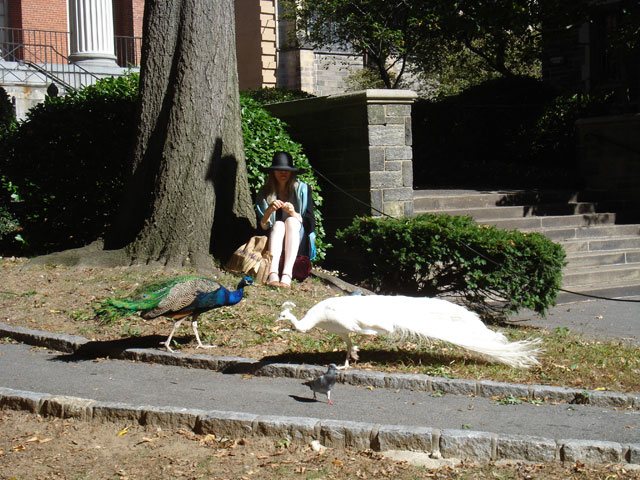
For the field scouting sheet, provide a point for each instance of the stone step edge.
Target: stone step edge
(438, 443)
(239, 365)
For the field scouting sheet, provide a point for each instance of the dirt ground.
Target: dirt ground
(32, 448)
(58, 299)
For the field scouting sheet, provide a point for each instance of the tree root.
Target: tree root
(94, 255)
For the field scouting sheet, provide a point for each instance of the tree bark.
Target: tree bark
(188, 165)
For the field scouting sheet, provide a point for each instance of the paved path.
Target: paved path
(609, 319)
(25, 368)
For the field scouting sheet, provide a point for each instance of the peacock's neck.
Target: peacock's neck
(235, 296)
(302, 325)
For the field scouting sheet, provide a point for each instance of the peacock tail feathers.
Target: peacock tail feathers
(171, 293)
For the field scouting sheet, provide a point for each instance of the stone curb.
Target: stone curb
(418, 382)
(458, 444)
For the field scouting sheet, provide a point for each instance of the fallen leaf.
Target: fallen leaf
(39, 440)
(124, 431)
(145, 440)
(337, 463)
(369, 387)
(18, 448)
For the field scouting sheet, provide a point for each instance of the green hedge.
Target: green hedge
(492, 271)
(66, 162)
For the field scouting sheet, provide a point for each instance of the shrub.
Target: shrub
(9, 225)
(63, 167)
(274, 95)
(66, 162)
(490, 270)
(263, 136)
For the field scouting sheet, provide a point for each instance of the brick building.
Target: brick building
(59, 41)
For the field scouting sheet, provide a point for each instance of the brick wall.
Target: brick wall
(39, 14)
(127, 17)
(332, 70)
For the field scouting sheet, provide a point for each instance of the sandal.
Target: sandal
(283, 283)
(272, 280)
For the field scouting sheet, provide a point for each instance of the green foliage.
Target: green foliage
(491, 270)
(63, 168)
(263, 136)
(365, 78)
(386, 32)
(7, 115)
(66, 162)
(9, 225)
(275, 95)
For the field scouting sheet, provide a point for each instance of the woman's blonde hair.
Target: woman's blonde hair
(270, 186)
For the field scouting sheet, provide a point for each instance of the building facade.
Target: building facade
(74, 42)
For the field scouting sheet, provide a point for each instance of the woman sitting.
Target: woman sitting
(285, 208)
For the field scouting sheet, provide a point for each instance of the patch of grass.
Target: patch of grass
(249, 329)
(509, 400)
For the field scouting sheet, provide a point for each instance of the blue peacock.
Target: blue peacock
(176, 298)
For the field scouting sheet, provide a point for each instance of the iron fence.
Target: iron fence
(28, 45)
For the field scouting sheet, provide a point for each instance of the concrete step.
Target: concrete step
(432, 200)
(562, 234)
(600, 275)
(552, 221)
(603, 258)
(594, 259)
(518, 211)
(601, 244)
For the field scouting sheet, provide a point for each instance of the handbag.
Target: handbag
(252, 259)
(301, 267)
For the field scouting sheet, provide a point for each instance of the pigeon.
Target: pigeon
(324, 383)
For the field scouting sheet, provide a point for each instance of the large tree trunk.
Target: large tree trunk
(188, 165)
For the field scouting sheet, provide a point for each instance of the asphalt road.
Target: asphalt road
(39, 370)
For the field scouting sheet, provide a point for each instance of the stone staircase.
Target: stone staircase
(603, 254)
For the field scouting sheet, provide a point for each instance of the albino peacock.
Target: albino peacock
(428, 318)
(175, 298)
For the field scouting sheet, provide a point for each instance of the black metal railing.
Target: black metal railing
(44, 63)
(16, 44)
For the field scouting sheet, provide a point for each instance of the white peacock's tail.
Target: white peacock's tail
(464, 329)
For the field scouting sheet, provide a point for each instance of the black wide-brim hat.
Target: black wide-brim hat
(282, 161)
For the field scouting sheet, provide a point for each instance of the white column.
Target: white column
(91, 25)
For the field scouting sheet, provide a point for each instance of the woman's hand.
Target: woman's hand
(288, 207)
(275, 205)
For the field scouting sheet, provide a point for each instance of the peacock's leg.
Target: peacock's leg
(167, 342)
(194, 325)
(352, 351)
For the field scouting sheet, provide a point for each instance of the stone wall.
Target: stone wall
(360, 145)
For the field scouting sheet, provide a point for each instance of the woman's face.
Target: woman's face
(282, 176)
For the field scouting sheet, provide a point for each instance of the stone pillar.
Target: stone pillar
(390, 151)
(92, 40)
(361, 146)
